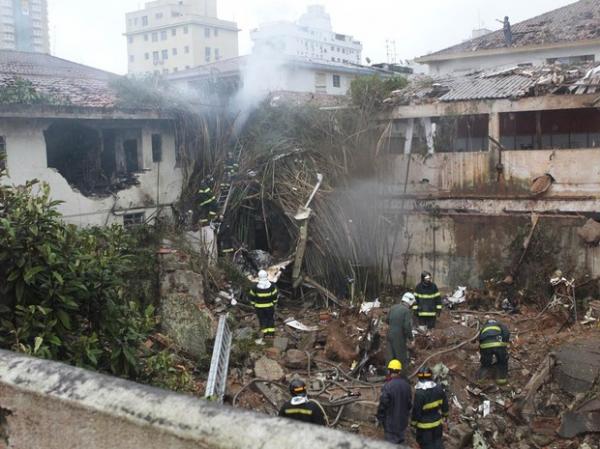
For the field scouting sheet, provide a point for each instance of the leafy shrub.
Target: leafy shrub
(369, 92)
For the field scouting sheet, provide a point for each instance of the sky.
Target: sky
(91, 31)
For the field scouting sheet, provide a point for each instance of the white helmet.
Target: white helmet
(262, 275)
(408, 299)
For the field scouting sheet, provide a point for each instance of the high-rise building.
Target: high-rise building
(311, 37)
(24, 25)
(172, 35)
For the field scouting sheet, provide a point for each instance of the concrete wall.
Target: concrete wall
(509, 59)
(298, 79)
(53, 406)
(26, 160)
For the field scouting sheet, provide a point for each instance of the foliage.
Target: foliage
(22, 91)
(368, 92)
(66, 293)
(166, 370)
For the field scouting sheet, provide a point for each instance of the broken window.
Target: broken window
(94, 161)
(465, 133)
(570, 60)
(135, 219)
(156, 148)
(2, 153)
(558, 129)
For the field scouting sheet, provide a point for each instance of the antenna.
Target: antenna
(392, 55)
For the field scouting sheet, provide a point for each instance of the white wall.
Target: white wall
(26, 160)
(305, 80)
(537, 57)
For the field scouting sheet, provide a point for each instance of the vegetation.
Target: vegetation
(21, 91)
(80, 296)
(368, 92)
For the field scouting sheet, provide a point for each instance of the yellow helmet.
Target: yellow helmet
(395, 365)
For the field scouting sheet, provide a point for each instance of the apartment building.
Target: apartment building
(172, 35)
(310, 37)
(24, 25)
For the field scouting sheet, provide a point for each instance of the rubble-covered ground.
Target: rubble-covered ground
(326, 358)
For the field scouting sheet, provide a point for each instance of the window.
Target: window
(135, 21)
(176, 69)
(145, 21)
(2, 153)
(155, 56)
(156, 148)
(174, 52)
(207, 53)
(159, 15)
(174, 32)
(130, 39)
(146, 37)
(336, 81)
(187, 67)
(569, 60)
(217, 54)
(186, 49)
(216, 32)
(154, 37)
(165, 71)
(165, 54)
(147, 56)
(206, 32)
(131, 58)
(185, 29)
(163, 35)
(137, 219)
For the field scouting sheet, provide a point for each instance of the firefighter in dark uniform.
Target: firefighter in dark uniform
(429, 410)
(393, 411)
(231, 167)
(226, 239)
(493, 348)
(207, 202)
(429, 301)
(263, 297)
(301, 408)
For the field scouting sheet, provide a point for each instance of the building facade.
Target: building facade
(311, 37)
(24, 26)
(568, 35)
(172, 35)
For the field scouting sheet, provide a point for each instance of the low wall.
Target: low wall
(49, 405)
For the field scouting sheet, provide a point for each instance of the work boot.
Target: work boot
(259, 342)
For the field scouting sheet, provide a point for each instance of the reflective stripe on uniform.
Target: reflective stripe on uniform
(265, 305)
(491, 328)
(439, 307)
(207, 190)
(422, 296)
(266, 295)
(294, 411)
(493, 344)
(501, 381)
(228, 250)
(208, 201)
(429, 425)
(426, 314)
(268, 330)
(432, 405)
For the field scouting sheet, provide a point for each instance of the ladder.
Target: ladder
(219, 365)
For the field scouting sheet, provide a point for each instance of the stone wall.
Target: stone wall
(49, 405)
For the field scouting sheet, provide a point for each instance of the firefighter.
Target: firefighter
(493, 348)
(263, 297)
(207, 203)
(429, 301)
(394, 405)
(301, 408)
(429, 410)
(400, 330)
(226, 241)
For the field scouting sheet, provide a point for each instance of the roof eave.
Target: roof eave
(79, 112)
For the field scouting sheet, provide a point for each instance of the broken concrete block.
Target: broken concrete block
(182, 281)
(586, 419)
(590, 232)
(268, 369)
(462, 434)
(578, 364)
(244, 333)
(296, 359)
(272, 353)
(364, 411)
(185, 321)
(281, 343)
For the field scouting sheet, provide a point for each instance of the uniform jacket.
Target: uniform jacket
(303, 409)
(394, 405)
(429, 300)
(264, 295)
(431, 406)
(494, 335)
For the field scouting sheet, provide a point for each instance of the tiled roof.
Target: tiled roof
(575, 22)
(65, 82)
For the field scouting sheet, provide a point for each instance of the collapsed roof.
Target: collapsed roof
(576, 22)
(513, 83)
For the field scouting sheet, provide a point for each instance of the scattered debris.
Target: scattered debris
(291, 322)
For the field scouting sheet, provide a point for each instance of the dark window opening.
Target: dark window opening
(156, 148)
(570, 60)
(2, 153)
(467, 133)
(94, 161)
(550, 130)
(336, 81)
(135, 219)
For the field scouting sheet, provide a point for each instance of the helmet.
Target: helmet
(395, 365)
(408, 299)
(425, 373)
(297, 387)
(426, 276)
(262, 275)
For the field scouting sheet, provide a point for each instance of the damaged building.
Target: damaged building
(484, 165)
(63, 123)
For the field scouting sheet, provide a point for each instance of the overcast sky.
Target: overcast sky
(91, 31)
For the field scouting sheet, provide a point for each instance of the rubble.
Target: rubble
(267, 369)
(590, 232)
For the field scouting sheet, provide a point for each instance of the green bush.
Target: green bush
(368, 92)
(69, 294)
